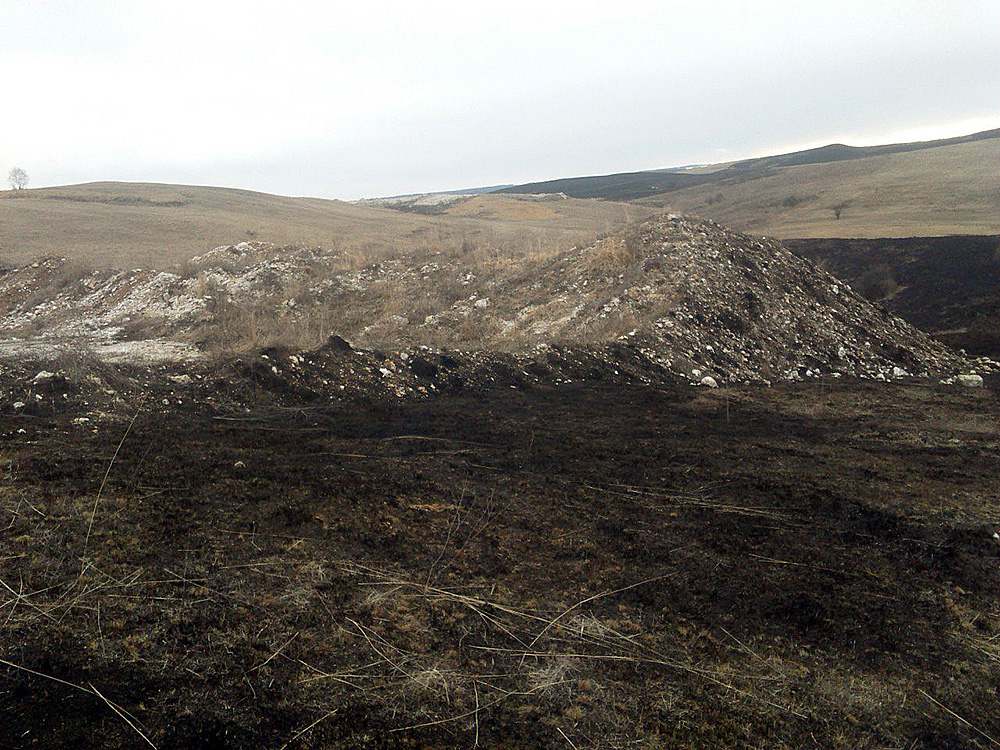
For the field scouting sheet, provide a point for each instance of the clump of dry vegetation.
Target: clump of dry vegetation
(877, 283)
(611, 255)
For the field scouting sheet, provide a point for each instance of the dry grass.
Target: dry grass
(124, 225)
(611, 255)
(939, 191)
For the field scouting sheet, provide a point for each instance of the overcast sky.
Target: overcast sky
(379, 98)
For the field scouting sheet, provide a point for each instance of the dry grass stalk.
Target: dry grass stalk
(104, 481)
(963, 721)
(90, 689)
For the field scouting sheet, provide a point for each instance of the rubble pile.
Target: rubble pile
(707, 302)
(673, 297)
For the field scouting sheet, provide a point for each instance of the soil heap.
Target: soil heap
(688, 298)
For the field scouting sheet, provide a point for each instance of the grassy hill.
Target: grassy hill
(841, 152)
(110, 224)
(624, 186)
(942, 187)
(939, 191)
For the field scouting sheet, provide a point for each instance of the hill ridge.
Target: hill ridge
(644, 183)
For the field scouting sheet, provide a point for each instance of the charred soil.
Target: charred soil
(947, 286)
(228, 563)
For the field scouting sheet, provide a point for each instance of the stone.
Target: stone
(709, 381)
(970, 381)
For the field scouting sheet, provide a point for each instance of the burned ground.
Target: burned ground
(227, 563)
(946, 286)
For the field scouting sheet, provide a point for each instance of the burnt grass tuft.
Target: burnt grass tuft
(586, 566)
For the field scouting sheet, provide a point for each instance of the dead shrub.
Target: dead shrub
(80, 364)
(610, 255)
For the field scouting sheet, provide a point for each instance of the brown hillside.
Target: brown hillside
(122, 225)
(938, 191)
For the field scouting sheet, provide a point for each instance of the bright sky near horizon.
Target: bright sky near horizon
(366, 99)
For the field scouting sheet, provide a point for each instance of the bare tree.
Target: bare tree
(17, 179)
(839, 208)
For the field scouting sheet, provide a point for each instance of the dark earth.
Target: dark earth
(946, 286)
(590, 565)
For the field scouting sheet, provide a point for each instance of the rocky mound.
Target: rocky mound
(672, 296)
(705, 301)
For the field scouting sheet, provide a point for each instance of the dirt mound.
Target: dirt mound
(688, 298)
(704, 300)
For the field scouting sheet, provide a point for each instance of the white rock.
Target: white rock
(899, 372)
(709, 381)
(180, 379)
(18, 404)
(482, 304)
(43, 377)
(841, 353)
(970, 381)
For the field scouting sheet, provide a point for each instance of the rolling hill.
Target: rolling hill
(842, 152)
(942, 187)
(934, 192)
(113, 224)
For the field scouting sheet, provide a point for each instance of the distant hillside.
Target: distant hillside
(842, 152)
(112, 224)
(937, 187)
(626, 186)
(931, 192)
